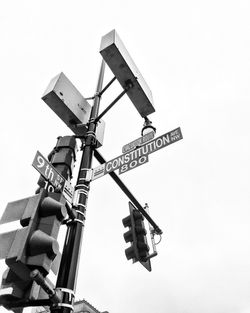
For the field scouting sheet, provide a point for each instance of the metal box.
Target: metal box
(72, 108)
(123, 67)
(67, 102)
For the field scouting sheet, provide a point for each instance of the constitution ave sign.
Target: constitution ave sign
(137, 157)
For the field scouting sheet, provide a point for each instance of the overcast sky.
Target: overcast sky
(195, 56)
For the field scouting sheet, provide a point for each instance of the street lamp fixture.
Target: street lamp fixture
(126, 72)
(147, 127)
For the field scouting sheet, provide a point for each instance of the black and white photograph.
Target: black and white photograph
(125, 156)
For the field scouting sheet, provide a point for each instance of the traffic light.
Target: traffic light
(136, 235)
(32, 247)
(62, 157)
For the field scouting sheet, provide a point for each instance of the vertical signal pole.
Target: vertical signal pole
(67, 276)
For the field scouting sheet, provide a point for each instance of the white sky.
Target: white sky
(194, 55)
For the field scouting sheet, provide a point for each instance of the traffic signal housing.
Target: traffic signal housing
(62, 157)
(136, 235)
(34, 246)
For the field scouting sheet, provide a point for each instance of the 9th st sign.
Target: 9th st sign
(52, 176)
(137, 157)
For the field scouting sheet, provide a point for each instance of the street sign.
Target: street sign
(138, 142)
(139, 156)
(133, 164)
(52, 176)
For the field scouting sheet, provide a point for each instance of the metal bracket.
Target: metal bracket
(87, 172)
(79, 218)
(67, 298)
(91, 138)
(113, 102)
(106, 87)
(152, 234)
(41, 281)
(82, 189)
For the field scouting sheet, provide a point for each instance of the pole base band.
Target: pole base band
(67, 298)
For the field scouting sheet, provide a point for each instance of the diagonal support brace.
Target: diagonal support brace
(129, 85)
(120, 183)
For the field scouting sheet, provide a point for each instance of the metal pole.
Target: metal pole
(67, 276)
